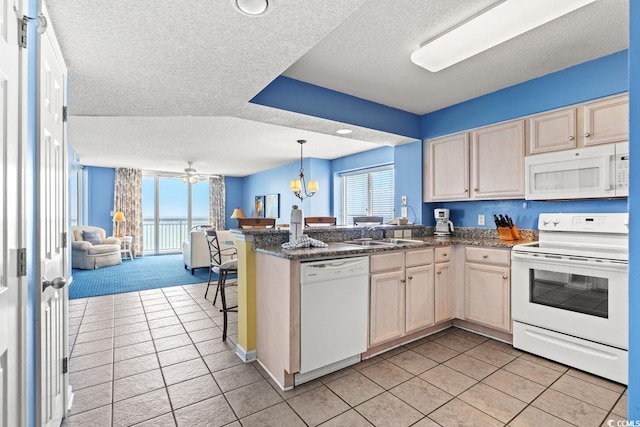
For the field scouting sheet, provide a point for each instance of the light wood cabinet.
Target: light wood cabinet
(485, 164)
(386, 320)
(599, 122)
(487, 287)
(401, 294)
(419, 298)
(444, 293)
(497, 161)
(552, 131)
(606, 121)
(449, 167)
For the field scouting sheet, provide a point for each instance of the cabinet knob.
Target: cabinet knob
(571, 138)
(485, 256)
(505, 277)
(466, 190)
(587, 135)
(439, 272)
(444, 254)
(402, 280)
(410, 277)
(475, 189)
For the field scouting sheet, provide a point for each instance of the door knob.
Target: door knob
(56, 283)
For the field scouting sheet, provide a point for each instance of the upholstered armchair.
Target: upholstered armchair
(90, 248)
(195, 250)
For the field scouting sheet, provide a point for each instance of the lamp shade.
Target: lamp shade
(238, 213)
(119, 216)
(312, 186)
(295, 185)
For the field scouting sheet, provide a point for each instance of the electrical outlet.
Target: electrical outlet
(480, 219)
(403, 212)
(406, 233)
(404, 201)
(397, 234)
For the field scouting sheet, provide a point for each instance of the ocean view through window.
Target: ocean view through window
(170, 208)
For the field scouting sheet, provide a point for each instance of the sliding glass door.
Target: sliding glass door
(170, 208)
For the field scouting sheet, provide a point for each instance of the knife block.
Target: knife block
(504, 233)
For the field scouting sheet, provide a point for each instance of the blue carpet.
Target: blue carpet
(147, 272)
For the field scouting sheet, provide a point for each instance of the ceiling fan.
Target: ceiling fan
(191, 175)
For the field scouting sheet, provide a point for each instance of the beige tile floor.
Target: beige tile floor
(156, 358)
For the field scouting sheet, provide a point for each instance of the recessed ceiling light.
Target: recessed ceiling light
(253, 7)
(344, 131)
(501, 22)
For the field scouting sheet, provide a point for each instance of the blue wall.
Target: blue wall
(277, 181)
(293, 95)
(600, 77)
(594, 79)
(408, 180)
(100, 182)
(233, 198)
(634, 209)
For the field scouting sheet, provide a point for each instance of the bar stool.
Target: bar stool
(223, 270)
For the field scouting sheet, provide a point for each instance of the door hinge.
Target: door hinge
(64, 113)
(23, 28)
(65, 365)
(64, 239)
(22, 262)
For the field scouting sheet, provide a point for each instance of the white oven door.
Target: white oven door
(582, 297)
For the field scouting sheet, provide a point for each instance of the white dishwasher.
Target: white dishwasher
(334, 311)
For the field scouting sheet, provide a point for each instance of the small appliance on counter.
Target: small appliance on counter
(444, 227)
(295, 226)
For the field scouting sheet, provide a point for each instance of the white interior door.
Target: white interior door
(10, 143)
(51, 168)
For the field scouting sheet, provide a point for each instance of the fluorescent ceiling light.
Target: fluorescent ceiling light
(496, 25)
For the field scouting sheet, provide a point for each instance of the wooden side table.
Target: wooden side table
(125, 246)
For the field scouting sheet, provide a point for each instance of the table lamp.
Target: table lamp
(117, 219)
(237, 214)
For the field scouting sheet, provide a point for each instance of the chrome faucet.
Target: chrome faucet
(371, 228)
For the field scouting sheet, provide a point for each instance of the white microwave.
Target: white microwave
(592, 172)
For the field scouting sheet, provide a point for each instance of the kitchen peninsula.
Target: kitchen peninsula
(418, 285)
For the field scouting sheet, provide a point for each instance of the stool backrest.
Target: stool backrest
(319, 221)
(256, 222)
(377, 220)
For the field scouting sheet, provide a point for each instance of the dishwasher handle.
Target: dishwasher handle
(335, 264)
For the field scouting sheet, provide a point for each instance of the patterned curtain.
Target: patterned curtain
(217, 197)
(127, 198)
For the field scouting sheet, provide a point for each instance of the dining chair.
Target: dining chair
(369, 220)
(311, 221)
(223, 268)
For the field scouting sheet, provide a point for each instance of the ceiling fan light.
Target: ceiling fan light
(494, 26)
(184, 179)
(193, 179)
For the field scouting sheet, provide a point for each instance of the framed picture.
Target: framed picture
(272, 206)
(259, 207)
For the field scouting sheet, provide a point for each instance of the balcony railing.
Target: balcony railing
(171, 233)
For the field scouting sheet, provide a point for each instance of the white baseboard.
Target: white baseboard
(244, 355)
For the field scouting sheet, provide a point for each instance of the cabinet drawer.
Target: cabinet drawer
(419, 257)
(443, 254)
(385, 262)
(486, 255)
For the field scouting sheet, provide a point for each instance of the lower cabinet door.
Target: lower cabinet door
(386, 314)
(487, 295)
(419, 298)
(444, 293)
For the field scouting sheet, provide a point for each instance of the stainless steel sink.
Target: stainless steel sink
(401, 241)
(368, 243)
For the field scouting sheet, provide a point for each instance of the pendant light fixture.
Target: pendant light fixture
(298, 186)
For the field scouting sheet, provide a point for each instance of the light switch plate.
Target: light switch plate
(404, 200)
(480, 219)
(406, 233)
(403, 212)
(397, 234)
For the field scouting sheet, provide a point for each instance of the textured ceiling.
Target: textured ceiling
(156, 83)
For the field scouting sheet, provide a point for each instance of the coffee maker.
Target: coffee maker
(444, 227)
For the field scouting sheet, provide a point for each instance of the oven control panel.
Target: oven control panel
(579, 222)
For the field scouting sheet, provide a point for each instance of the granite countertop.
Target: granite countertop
(340, 249)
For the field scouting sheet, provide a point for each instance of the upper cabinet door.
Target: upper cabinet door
(448, 168)
(606, 121)
(497, 161)
(552, 131)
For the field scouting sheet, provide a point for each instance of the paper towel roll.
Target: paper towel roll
(295, 225)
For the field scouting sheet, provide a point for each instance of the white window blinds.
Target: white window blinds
(368, 192)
